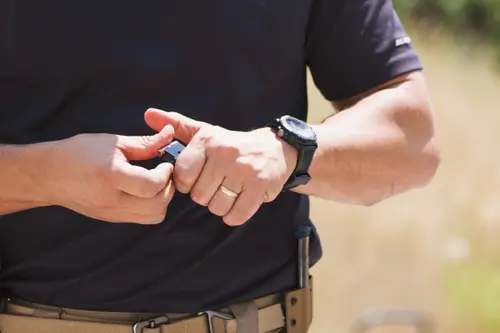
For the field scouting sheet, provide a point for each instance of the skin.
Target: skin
(383, 143)
(90, 174)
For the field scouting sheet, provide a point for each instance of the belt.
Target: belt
(290, 312)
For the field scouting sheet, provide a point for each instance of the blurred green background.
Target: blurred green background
(435, 249)
(473, 19)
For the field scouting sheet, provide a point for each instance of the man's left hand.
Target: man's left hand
(230, 172)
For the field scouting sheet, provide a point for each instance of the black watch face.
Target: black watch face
(298, 127)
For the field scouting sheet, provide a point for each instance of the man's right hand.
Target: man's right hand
(91, 174)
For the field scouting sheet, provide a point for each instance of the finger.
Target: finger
(141, 182)
(208, 182)
(145, 147)
(189, 166)
(158, 207)
(147, 211)
(221, 202)
(246, 205)
(185, 128)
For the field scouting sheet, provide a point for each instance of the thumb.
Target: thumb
(145, 147)
(184, 127)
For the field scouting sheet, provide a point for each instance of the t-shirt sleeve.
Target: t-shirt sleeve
(355, 45)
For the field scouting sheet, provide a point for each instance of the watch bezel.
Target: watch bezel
(286, 123)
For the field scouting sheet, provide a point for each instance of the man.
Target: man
(90, 220)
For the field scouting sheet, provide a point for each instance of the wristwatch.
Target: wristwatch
(302, 137)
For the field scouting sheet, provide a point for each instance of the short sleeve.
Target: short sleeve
(355, 45)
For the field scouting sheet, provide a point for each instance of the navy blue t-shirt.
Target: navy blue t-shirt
(69, 67)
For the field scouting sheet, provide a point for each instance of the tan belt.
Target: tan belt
(257, 316)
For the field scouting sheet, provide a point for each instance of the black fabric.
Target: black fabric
(69, 67)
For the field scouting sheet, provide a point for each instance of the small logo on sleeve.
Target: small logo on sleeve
(403, 41)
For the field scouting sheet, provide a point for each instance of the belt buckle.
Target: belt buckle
(149, 323)
(211, 314)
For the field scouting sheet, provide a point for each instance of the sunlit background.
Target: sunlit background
(436, 249)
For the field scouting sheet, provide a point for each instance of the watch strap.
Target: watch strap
(305, 154)
(300, 175)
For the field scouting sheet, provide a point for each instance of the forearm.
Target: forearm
(21, 173)
(381, 146)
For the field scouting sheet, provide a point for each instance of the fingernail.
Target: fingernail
(169, 127)
(167, 130)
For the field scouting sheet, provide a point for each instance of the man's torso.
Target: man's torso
(95, 66)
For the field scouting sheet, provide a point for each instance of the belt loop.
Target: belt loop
(299, 309)
(247, 317)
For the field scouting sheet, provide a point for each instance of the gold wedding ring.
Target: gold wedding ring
(228, 192)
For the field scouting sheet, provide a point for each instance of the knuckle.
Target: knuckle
(217, 210)
(263, 177)
(245, 166)
(182, 183)
(199, 197)
(159, 183)
(146, 140)
(230, 149)
(184, 174)
(250, 162)
(212, 138)
(205, 134)
(151, 188)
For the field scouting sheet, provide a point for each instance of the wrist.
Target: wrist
(27, 173)
(301, 136)
(289, 152)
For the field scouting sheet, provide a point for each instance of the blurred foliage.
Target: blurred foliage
(477, 18)
(473, 291)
